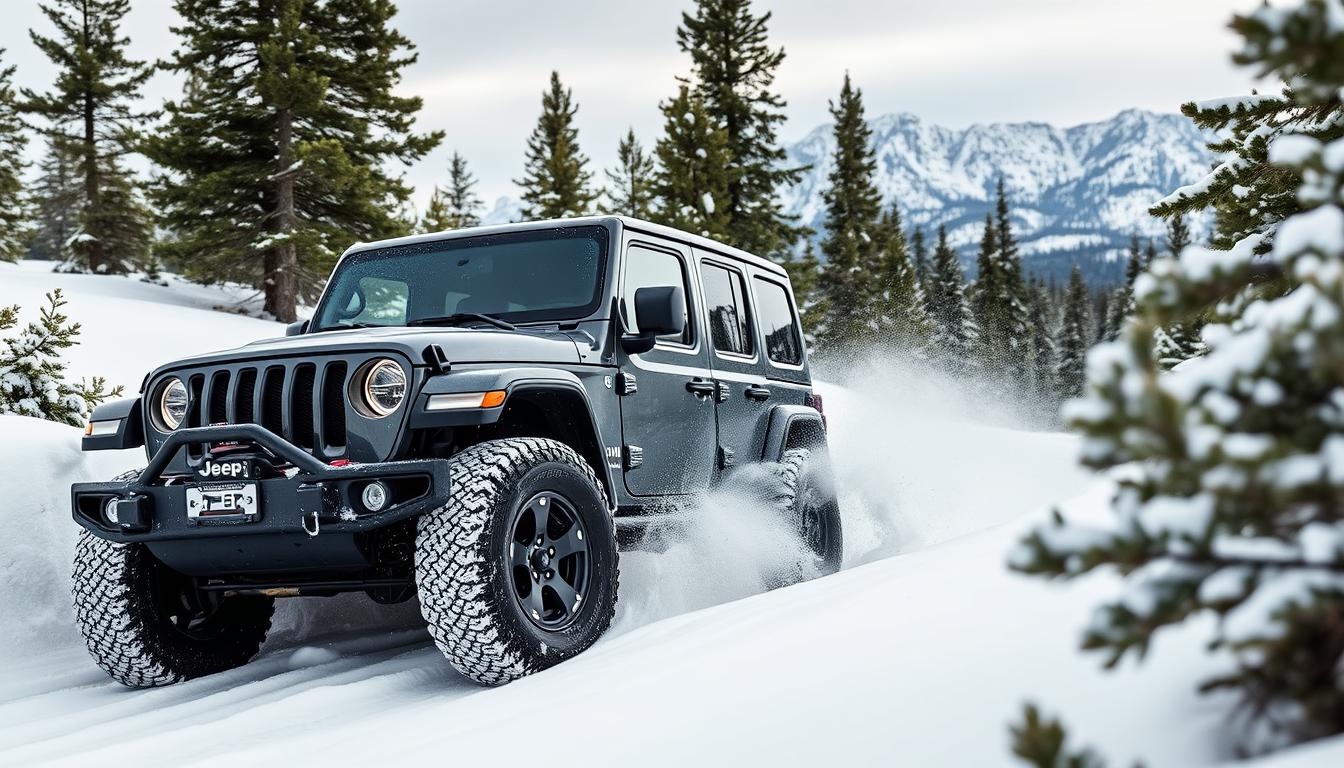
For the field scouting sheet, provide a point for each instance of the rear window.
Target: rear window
(779, 324)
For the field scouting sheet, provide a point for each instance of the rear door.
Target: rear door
(785, 361)
(667, 422)
(742, 393)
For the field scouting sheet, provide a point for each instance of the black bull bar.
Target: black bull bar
(309, 498)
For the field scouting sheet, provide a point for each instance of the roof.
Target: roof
(627, 222)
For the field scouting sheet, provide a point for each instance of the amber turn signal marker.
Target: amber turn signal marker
(88, 429)
(493, 399)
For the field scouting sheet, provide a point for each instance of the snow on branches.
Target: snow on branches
(1230, 468)
(32, 375)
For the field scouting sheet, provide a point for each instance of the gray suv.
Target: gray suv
(478, 418)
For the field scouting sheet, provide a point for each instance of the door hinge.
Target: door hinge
(721, 393)
(626, 384)
(634, 456)
(726, 458)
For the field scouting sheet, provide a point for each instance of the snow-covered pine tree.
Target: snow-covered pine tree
(804, 271)
(455, 206)
(854, 281)
(904, 325)
(14, 212)
(1229, 469)
(89, 111)
(1121, 306)
(919, 254)
(556, 181)
(1075, 336)
(691, 183)
(733, 71)
(32, 374)
(54, 197)
(1178, 234)
(630, 184)
(276, 156)
(1042, 357)
(998, 300)
(955, 333)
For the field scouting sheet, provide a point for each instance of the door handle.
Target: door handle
(757, 392)
(700, 387)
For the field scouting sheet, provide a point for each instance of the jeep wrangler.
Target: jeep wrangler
(469, 418)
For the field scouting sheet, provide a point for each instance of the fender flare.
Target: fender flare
(516, 382)
(115, 426)
(792, 426)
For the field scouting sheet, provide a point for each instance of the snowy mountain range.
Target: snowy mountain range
(1077, 193)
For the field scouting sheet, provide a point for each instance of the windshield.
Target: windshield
(520, 277)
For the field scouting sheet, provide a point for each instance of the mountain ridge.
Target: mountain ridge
(1077, 192)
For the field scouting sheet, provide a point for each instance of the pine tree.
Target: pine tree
(456, 206)
(733, 72)
(89, 112)
(998, 302)
(1228, 498)
(1042, 356)
(855, 277)
(904, 324)
(691, 183)
(55, 196)
(1075, 336)
(955, 333)
(919, 254)
(13, 204)
(804, 272)
(556, 182)
(631, 182)
(1121, 306)
(32, 375)
(1178, 234)
(275, 156)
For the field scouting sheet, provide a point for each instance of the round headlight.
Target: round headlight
(172, 404)
(384, 387)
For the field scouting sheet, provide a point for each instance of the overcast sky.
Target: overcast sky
(484, 63)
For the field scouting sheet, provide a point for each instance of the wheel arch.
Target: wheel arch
(793, 426)
(569, 418)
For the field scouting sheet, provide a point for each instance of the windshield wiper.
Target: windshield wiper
(460, 317)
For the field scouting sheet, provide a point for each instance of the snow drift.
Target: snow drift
(919, 653)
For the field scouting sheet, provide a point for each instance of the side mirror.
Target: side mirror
(659, 311)
(296, 329)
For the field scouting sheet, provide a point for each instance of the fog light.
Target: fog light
(110, 511)
(375, 496)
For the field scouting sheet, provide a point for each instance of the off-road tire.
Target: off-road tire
(128, 634)
(466, 595)
(806, 480)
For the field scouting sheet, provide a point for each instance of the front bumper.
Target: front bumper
(311, 499)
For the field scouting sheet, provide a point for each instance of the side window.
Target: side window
(779, 326)
(647, 268)
(729, 320)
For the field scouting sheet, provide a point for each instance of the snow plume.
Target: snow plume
(922, 457)
(727, 545)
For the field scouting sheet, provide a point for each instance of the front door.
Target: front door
(667, 422)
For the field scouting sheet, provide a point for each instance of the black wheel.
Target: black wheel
(813, 509)
(147, 625)
(519, 570)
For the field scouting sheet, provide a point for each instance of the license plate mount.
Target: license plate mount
(238, 502)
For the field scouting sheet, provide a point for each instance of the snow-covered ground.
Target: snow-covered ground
(919, 653)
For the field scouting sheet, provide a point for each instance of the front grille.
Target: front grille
(303, 402)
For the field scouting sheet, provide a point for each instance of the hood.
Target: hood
(462, 345)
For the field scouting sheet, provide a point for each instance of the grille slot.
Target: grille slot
(243, 408)
(272, 399)
(301, 406)
(332, 404)
(216, 398)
